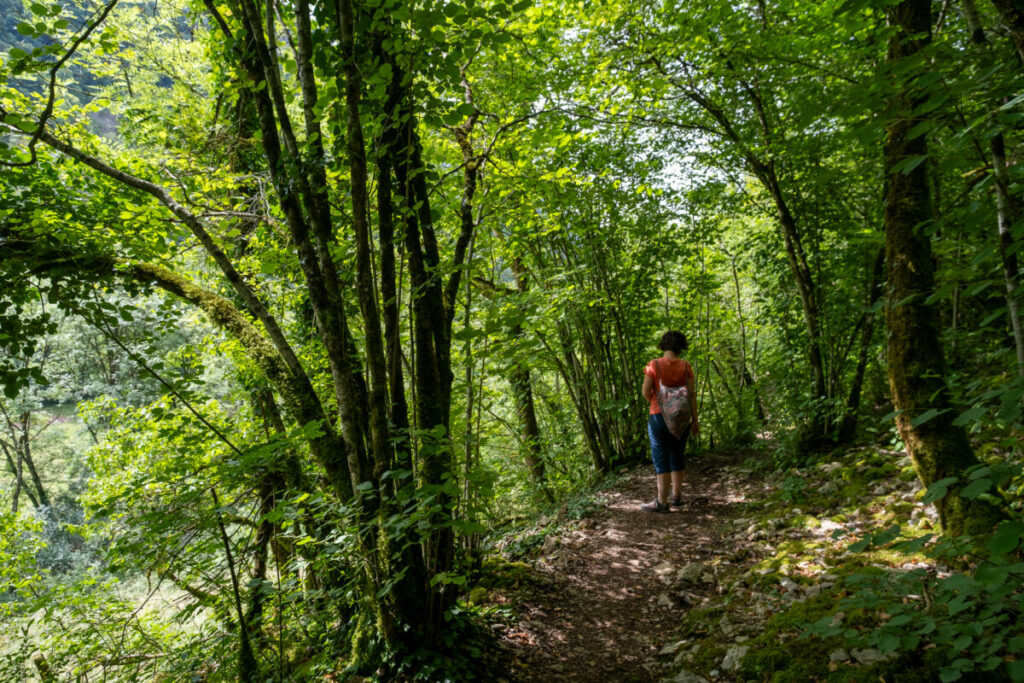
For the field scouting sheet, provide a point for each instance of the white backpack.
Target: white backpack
(675, 405)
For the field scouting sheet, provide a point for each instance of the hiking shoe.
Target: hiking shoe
(675, 501)
(654, 506)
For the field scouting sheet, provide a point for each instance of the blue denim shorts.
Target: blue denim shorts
(667, 452)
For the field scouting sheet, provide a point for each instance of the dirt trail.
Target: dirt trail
(605, 614)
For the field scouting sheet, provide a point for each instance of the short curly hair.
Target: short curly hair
(674, 341)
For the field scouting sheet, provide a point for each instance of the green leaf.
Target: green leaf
(925, 417)
(910, 642)
(990, 575)
(1006, 538)
(888, 643)
(909, 164)
(25, 29)
(979, 472)
(899, 620)
(970, 416)
(938, 489)
(976, 488)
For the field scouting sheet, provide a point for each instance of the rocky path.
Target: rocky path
(607, 611)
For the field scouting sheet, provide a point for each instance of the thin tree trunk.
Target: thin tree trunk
(848, 426)
(19, 478)
(522, 393)
(1007, 216)
(748, 381)
(764, 171)
(1005, 209)
(25, 455)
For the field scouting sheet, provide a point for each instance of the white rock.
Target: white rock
(828, 526)
(686, 677)
(694, 573)
(839, 655)
(664, 572)
(664, 600)
(733, 656)
(871, 656)
(671, 648)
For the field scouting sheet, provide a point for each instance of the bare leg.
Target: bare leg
(663, 486)
(677, 482)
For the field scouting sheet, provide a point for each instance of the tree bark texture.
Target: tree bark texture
(916, 365)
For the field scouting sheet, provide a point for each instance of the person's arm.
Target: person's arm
(648, 389)
(691, 389)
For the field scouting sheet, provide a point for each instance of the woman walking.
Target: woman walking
(669, 380)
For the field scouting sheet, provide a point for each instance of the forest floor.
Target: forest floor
(602, 608)
(720, 589)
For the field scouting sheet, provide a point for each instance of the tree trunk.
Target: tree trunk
(848, 426)
(1006, 211)
(1007, 216)
(764, 170)
(522, 392)
(24, 450)
(432, 380)
(917, 371)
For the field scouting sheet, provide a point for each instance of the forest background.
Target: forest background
(306, 305)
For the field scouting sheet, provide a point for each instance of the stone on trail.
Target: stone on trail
(695, 573)
(872, 656)
(733, 656)
(664, 572)
(840, 655)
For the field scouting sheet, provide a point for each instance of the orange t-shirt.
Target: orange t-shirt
(675, 373)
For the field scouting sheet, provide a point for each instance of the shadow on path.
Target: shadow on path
(606, 613)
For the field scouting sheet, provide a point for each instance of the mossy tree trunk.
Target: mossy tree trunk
(917, 369)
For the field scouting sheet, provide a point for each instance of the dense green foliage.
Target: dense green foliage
(304, 303)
